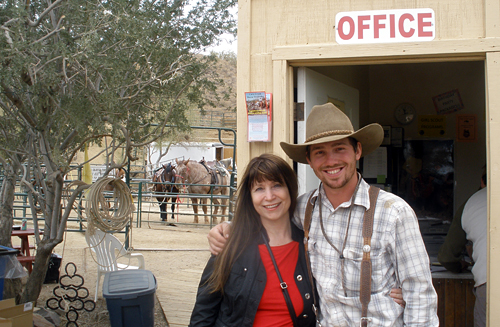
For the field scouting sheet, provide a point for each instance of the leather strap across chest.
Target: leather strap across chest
(366, 265)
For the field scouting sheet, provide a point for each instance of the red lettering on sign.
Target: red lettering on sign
(402, 31)
(422, 24)
(362, 26)
(377, 25)
(350, 21)
(392, 24)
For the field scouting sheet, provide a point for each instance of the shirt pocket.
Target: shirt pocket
(352, 270)
(235, 283)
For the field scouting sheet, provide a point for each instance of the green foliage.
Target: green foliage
(72, 71)
(91, 68)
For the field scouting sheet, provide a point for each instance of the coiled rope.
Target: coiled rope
(98, 210)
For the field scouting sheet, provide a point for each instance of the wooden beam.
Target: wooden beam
(441, 50)
(492, 85)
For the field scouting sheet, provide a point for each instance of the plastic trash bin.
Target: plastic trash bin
(130, 297)
(6, 257)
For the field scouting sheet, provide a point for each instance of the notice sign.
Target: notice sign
(385, 26)
(466, 128)
(448, 102)
(259, 113)
(431, 125)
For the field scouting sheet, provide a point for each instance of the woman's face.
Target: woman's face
(271, 200)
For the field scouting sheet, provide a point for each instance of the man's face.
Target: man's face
(334, 163)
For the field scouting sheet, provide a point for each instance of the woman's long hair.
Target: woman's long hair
(246, 224)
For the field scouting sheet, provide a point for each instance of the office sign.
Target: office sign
(385, 26)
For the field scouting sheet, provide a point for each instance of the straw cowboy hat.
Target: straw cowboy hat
(327, 123)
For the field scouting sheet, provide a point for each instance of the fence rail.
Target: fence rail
(146, 209)
(146, 206)
(217, 119)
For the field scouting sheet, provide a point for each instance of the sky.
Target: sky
(228, 43)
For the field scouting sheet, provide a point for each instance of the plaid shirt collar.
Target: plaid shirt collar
(361, 199)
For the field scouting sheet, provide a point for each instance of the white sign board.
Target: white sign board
(97, 171)
(385, 26)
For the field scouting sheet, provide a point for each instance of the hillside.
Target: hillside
(225, 114)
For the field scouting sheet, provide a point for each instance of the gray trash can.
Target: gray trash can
(130, 297)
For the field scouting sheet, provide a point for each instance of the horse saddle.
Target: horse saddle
(214, 172)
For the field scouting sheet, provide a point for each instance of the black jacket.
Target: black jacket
(244, 289)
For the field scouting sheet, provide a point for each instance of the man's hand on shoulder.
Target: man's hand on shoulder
(217, 237)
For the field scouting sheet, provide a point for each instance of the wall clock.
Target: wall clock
(405, 113)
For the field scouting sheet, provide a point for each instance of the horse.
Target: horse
(163, 177)
(201, 179)
(227, 163)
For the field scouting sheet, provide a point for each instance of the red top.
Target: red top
(272, 310)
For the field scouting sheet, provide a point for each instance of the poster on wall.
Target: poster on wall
(259, 116)
(432, 125)
(466, 128)
(448, 102)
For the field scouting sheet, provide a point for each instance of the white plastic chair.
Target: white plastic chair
(108, 249)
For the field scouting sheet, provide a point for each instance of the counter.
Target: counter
(455, 298)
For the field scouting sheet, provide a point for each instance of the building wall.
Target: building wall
(276, 36)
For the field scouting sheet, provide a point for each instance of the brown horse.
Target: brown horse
(162, 179)
(200, 179)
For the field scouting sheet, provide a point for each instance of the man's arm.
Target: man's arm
(450, 253)
(217, 237)
(412, 266)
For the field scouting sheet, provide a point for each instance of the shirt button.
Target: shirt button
(305, 316)
(299, 278)
(245, 269)
(307, 296)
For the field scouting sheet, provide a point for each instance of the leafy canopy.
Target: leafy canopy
(73, 71)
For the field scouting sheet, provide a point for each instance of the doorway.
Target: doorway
(382, 87)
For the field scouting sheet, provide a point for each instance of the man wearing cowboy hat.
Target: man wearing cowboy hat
(335, 244)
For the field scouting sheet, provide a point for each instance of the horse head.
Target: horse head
(181, 171)
(169, 172)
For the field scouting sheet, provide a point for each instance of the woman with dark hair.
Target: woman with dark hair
(260, 278)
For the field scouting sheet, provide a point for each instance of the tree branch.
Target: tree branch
(83, 143)
(67, 211)
(18, 103)
(44, 13)
(56, 30)
(162, 126)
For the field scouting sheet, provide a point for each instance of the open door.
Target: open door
(312, 89)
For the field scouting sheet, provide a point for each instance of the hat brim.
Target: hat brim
(370, 137)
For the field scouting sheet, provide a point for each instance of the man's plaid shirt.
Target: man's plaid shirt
(398, 255)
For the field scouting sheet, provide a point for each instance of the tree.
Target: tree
(76, 71)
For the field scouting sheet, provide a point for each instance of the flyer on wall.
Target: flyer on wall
(259, 114)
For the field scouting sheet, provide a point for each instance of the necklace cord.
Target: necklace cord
(341, 253)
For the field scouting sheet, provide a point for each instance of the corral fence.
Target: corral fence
(145, 200)
(147, 209)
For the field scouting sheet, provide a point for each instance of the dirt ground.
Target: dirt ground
(167, 245)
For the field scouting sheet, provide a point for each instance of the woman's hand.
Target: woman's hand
(217, 237)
